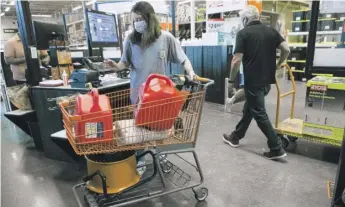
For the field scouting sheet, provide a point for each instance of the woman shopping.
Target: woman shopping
(148, 50)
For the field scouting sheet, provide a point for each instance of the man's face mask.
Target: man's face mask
(140, 26)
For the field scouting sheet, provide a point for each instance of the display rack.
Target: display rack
(75, 29)
(191, 19)
(327, 36)
(61, 60)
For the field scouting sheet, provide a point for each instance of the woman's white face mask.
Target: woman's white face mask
(140, 26)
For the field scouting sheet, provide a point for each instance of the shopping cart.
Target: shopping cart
(162, 176)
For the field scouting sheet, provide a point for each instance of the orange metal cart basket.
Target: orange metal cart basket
(129, 136)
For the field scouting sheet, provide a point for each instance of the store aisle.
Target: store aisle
(234, 177)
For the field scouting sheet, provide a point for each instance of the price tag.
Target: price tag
(293, 68)
(215, 26)
(298, 18)
(327, 27)
(297, 29)
(293, 59)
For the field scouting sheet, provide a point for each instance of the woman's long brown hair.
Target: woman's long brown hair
(153, 30)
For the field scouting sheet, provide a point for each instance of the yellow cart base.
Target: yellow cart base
(292, 129)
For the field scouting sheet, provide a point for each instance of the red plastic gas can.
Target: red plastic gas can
(159, 103)
(96, 123)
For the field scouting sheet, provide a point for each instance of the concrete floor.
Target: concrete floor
(234, 177)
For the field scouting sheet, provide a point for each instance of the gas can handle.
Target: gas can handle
(162, 77)
(95, 98)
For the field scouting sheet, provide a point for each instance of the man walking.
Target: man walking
(256, 45)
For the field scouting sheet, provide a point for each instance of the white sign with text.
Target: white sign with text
(215, 26)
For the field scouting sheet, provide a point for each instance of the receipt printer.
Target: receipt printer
(80, 77)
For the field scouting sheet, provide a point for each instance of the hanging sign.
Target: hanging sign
(257, 3)
(214, 6)
(10, 30)
(219, 6)
(332, 6)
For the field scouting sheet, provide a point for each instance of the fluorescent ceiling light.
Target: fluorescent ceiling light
(90, 2)
(7, 9)
(77, 8)
(41, 15)
(2, 14)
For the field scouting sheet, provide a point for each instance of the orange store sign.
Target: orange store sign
(257, 3)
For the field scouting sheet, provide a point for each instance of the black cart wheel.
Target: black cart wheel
(89, 200)
(292, 138)
(285, 141)
(166, 165)
(201, 194)
(166, 168)
(86, 202)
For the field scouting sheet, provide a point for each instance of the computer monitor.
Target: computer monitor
(101, 29)
(44, 32)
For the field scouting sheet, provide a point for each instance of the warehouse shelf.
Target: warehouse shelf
(326, 44)
(76, 22)
(334, 32)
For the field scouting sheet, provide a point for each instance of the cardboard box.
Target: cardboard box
(55, 73)
(325, 106)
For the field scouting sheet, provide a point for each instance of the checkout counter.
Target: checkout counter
(46, 119)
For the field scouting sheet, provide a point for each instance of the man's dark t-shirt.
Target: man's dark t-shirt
(258, 43)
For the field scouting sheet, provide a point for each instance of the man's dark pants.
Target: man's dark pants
(254, 107)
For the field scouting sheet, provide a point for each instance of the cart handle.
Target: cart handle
(95, 98)
(158, 76)
(280, 96)
(208, 82)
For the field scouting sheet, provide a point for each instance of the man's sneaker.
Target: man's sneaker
(231, 140)
(275, 154)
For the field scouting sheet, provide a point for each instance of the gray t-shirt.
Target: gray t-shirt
(153, 59)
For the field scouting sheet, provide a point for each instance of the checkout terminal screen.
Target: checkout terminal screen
(102, 28)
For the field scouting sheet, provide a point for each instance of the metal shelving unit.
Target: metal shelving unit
(298, 41)
(191, 23)
(325, 44)
(335, 32)
(75, 29)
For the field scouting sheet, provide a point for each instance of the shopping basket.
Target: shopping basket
(129, 136)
